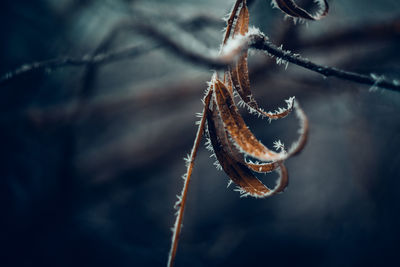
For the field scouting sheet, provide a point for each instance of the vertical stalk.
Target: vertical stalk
(200, 130)
(182, 199)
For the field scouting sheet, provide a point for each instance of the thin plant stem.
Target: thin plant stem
(259, 41)
(190, 164)
(100, 58)
(182, 198)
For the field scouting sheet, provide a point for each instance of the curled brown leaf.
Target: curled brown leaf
(239, 74)
(231, 161)
(237, 128)
(230, 138)
(231, 141)
(291, 9)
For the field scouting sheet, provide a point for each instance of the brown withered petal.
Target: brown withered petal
(237, 169)
(293, 10)
(238, 129)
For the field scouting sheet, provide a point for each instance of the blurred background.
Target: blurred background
(91, 155)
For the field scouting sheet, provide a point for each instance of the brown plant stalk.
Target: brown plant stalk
(180, 204)
(190, 164)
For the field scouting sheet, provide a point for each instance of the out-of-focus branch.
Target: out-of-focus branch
(205, 57)
(78, 61)
(111, 56)
(196, 54)
(102, 109)
(256, 40)
(200, 21)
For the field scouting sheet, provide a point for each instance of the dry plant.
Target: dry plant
(238, 152)
(228, 136)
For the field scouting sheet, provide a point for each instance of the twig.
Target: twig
(182, 198)
(259, 41)
(76, 61)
